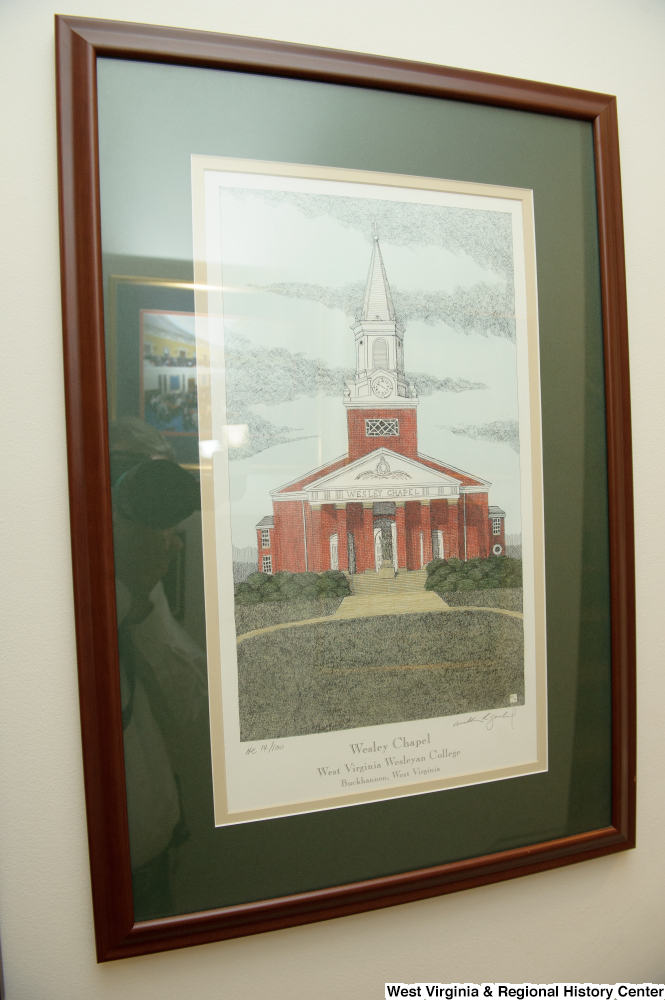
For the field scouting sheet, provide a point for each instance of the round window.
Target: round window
(497, 550)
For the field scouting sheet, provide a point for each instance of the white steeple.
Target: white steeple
(378, 302)
(379, 346)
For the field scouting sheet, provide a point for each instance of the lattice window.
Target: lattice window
(267, 565)
(496, 525)
(265, 538)
(381, 428)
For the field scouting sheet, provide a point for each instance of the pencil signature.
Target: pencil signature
(488, 719)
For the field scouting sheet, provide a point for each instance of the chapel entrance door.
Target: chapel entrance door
(378, 549)
(385, 543)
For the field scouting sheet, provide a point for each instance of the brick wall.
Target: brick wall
(478, 526)
(328, 528)
(406, 443)
(413, 529)
(355, 526)
(288, 544)
(479, 540)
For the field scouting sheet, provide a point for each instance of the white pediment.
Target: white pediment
(382, 475)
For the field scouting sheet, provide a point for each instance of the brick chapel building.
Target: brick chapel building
(384, 506)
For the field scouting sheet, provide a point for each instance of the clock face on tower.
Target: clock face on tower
(382, 386)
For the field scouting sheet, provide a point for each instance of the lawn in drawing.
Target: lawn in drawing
(363, 665)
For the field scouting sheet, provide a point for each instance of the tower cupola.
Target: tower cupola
(379, 347)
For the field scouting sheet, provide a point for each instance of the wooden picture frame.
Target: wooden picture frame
(80, 41)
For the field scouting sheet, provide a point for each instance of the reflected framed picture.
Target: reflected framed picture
(349, 446)
(151, 357)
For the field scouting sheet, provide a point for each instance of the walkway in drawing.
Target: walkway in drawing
(372, 597)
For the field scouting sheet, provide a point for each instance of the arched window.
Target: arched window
(380, 354)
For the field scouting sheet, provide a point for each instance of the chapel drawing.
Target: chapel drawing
(383, 507)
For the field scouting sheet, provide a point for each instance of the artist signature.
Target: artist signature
(489, 719)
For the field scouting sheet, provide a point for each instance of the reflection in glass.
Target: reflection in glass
(162, 670)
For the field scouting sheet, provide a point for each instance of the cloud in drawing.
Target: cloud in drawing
(484, 235)
(500, 431)
(273, 375)
(261, 434)
(256, 374)
(484, 308)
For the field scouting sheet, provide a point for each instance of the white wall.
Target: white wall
(601, 921)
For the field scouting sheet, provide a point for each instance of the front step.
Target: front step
(390, 603)
(371, 584)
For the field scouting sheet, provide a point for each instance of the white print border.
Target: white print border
(296, 777)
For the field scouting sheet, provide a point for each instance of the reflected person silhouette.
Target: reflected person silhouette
(162, 670)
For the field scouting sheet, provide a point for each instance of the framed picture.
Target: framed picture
(349, 445)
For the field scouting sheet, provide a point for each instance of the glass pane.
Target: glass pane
(152, 118)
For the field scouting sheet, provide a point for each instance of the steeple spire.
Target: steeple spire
(378, 302)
